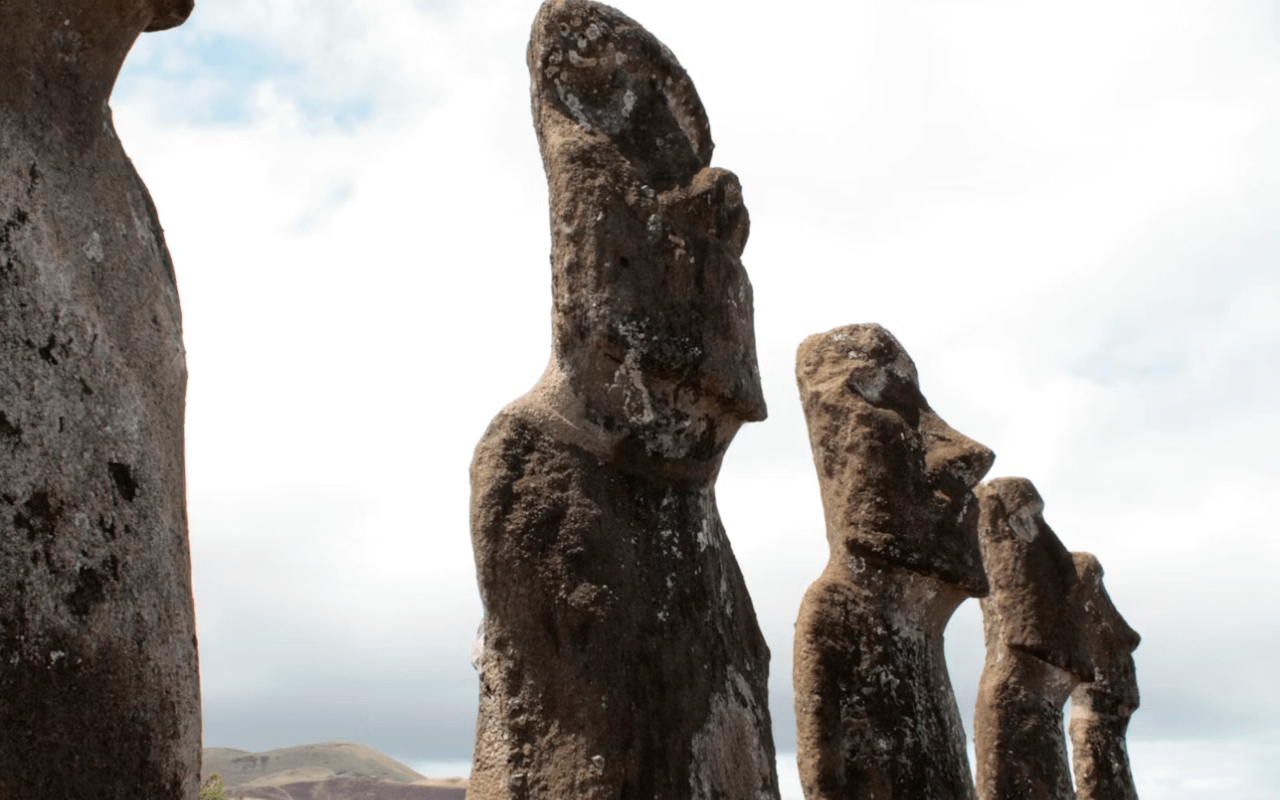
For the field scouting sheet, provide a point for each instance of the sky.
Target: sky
(1068, 213)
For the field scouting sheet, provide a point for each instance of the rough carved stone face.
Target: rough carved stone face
(1108, 638)
(653, 310)
(155, 15)
(1033, 579)
(674, 310)
(897, 481)
(59, 58)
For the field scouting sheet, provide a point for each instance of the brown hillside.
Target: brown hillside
(347, 789)
(320, 760)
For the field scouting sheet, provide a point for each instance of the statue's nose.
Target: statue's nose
(951, 452)
(716, 197)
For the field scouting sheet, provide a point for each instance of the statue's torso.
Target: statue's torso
(876, 713)
(621, 650)
(97, 641)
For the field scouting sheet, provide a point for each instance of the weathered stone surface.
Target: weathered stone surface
(1100, 708)
(1036, 652)
(875, 713)
(99, 693)
(620, 654)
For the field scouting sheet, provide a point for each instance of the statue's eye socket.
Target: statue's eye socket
(887, 390)
(908, 409)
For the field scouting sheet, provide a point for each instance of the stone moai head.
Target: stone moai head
(1033, 579)
(897, 482)
(59, 58)
(652, 320)
(88, 27)
(1112, 686)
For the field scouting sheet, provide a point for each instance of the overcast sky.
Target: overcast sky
(1068, 212)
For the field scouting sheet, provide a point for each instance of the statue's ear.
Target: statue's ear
(169, 14)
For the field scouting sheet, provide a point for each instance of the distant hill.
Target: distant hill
(324, 771)
(346, 789)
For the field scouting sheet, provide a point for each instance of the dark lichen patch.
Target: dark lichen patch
(46, 352)
(7, 254)
(37, 517)
(90, 590)
(9, 430)
(108, 528)
(122, 476)
(51, 350)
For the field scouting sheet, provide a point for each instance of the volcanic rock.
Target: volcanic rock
(1036, 653)
(99, 691)
(1100, 708)
(620, 654)
(875, 712)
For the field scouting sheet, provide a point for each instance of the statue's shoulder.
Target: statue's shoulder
(834, 597)
(520, 426)
(527, 483)
(526, 436)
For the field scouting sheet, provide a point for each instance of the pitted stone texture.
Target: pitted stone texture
(1101, 708)
(1036, 649)
(875, 712)
(620, 655)
(99, 691)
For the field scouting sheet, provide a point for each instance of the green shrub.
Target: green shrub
(212, 788)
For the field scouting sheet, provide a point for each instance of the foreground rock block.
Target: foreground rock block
(875, 712)
(1036, 651)
(620, 654)
(1101, 708)
(99, 692)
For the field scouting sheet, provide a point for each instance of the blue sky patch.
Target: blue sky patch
(209, 78)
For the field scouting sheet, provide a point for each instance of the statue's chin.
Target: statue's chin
(169, 14)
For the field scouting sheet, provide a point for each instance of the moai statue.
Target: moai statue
(99, 689)
(621, 657)
(875, 713)
(1100, 708)
(1036, 652)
